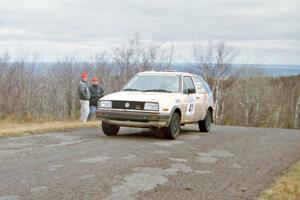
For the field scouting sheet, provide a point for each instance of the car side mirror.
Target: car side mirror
(191, 91)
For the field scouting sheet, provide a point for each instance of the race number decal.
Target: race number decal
(190, 105)
(190, 109)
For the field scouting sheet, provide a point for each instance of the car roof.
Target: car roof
(167, 73)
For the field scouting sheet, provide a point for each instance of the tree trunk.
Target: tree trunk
(297, 113)
(217, 101)
(247, 117)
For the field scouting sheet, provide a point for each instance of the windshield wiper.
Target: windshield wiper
(130, 89)
(157, 90)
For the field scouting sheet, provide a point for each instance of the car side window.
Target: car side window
(207, 87)
(199, 85)
(188, 85)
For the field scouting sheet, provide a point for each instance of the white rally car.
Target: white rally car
(164, 100)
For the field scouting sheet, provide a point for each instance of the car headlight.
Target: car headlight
(151, 106)
(105, 104)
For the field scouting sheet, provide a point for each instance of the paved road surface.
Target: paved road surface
(228, 163)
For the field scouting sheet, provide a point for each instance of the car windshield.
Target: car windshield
(154, 83)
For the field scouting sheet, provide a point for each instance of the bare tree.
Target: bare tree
(250, 96)
(150, 56)
(136, 56)
(104, 71)
(125, 58)
(204, 60)
(214, 64)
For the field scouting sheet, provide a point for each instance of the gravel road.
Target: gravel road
(227, 163)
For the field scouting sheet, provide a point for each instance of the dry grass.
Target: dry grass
(22, 129)
(285, 188)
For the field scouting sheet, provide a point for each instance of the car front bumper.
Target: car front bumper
(133, 118)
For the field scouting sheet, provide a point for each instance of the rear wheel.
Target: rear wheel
(110, 129)
(205, 125)
(173, 130)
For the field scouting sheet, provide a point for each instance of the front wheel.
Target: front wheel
(205, 125)
(110, 129)
(173, 130)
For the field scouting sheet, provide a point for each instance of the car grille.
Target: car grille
(134, 105)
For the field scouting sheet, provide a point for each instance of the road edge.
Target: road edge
(285, 187)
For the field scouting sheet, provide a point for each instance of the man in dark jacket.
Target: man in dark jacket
(96, 93)
(84, 96)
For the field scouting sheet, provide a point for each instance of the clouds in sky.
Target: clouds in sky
(264, 31)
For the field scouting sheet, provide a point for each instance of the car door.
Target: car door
(189, 92)
(201, 98)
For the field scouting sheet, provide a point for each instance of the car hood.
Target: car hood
(138, 96)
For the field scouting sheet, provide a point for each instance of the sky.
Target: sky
(261, 31)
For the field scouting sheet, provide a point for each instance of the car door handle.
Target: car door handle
(197, 97)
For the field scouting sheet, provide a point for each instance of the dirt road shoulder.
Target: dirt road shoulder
(23, 129)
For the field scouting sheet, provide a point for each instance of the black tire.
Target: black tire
(173, 130)
(110, 129)
(205, 125)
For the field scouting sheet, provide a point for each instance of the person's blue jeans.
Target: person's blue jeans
(93, 110)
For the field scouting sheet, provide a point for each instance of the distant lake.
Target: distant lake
(281, 71)
(270, 70)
